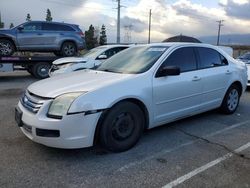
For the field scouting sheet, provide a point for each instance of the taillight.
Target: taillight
(81, 34)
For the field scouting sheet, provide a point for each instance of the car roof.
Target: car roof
(176, 44)
(62, 23)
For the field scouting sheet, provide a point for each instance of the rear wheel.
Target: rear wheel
(122, 127)
(7, 48)
(41, 70)
(68, 49)
(231, 100)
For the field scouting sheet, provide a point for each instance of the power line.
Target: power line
(219, 29)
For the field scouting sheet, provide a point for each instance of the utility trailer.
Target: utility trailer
(37, 66)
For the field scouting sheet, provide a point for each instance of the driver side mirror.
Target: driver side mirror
(20, 28)
(102, 56)
(168, 71)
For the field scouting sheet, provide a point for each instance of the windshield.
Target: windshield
(94, 52)
(133, 60)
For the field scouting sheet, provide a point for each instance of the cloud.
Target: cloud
(239, 9)
(136, 24)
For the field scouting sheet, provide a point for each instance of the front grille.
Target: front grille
(32, 102)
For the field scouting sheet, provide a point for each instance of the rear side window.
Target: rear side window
(32, 27)
(210, 58)
(56, 27)
(184, 58)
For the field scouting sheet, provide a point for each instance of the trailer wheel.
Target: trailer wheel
(41, 70)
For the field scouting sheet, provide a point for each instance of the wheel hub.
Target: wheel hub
(123, 126)
(233, 98)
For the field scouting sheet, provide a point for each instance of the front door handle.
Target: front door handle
(196, 78)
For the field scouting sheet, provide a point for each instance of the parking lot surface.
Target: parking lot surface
(208, 150)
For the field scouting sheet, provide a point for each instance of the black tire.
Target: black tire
(231, 100)
(7, 48)
(41, 70)
(122, 127)
(68, 49)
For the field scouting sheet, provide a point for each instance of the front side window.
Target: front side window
(134, 60)
(32, 27)
(183, 58)
(210, 58)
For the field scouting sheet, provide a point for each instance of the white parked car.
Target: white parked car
(140, 88)
(92, 59)
(246, 59)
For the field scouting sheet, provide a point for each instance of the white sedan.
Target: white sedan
(140, 88)
(91, 59)
(246, 59)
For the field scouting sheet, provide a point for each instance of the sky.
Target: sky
(195, 18)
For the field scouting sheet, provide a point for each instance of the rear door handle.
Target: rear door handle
(228, 72)
(196, 78)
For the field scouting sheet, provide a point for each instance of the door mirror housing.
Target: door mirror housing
(168, 71)
(20, 28)
(102, 56)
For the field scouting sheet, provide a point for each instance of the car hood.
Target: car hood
(69, 60)
(80, 81)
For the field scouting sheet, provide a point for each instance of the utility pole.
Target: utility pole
(118, 22)
(220, 25)
(149, 25)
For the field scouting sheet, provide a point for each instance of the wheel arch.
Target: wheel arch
(239, 85)
(136, 101)
(68, 40)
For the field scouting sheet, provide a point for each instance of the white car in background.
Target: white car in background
(91, 59)
(246, 59)
(140, 88)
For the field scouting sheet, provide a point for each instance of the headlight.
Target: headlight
(61, 104)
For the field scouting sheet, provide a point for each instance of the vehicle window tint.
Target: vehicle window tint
(32, 27)
(210, 58)
(56, 27)
(184, 58)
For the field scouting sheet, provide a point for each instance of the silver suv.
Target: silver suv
(40, 36)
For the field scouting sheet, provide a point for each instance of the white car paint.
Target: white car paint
(166, 99)
(87, 61)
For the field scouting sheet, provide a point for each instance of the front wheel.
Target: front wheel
(6, 47)
(122, 127)
(231, 100)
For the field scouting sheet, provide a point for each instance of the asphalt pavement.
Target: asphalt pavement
(207, 150)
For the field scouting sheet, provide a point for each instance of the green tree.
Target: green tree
(28, 17)
(11, 25)
(91, 40)
(103, 36)
(48, 16)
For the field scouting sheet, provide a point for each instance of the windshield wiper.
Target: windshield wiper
(110, 70)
